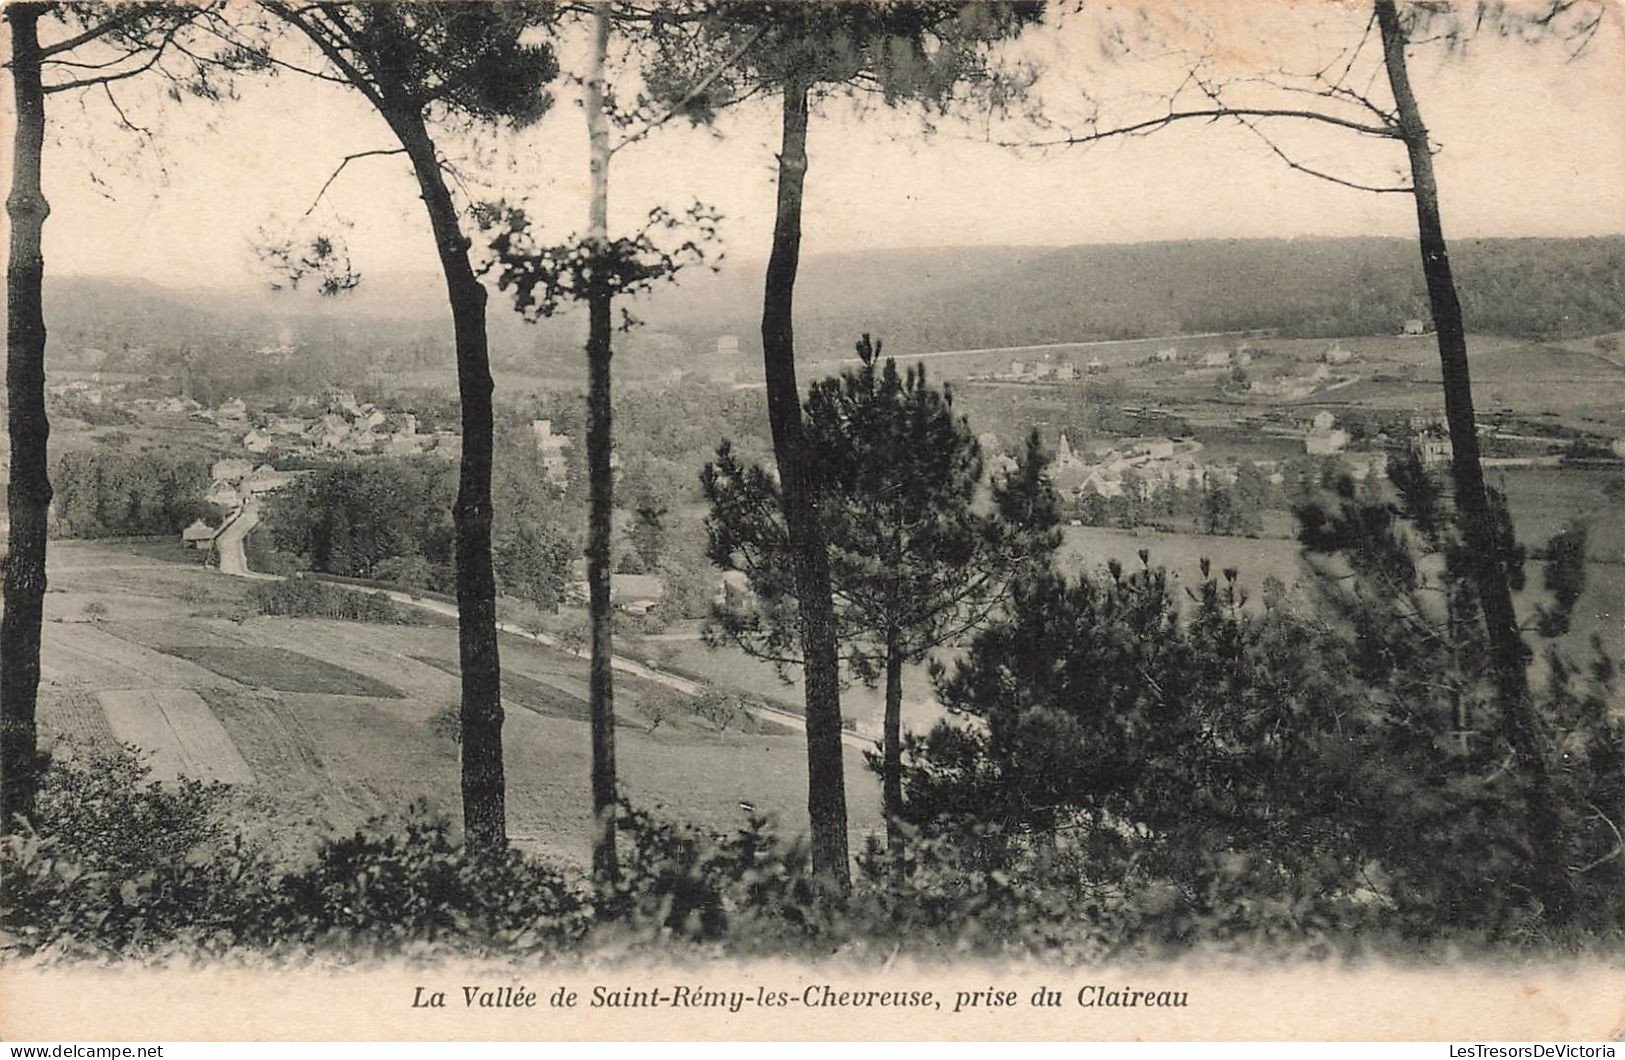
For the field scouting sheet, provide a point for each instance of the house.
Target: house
(1158, 448)
(1325, 443)
(230, 469)
(1336, 354)
(1323, 421)
(258, 441)
(224, 495)
(235, 409)
(1096, 365)
(1018, 367)
(1066, 370)
(267, 479)
(1423, 422)
(329, 432)
(1167, 355)
(636, 594)
(1216, 359)
(1413, 326)
(1433, 450)
(199, 536)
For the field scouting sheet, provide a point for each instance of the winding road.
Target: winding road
(234, 563)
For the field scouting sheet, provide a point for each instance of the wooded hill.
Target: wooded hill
(917, 299)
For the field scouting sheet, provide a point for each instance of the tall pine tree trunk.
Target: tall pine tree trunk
(29, 493)
(891, 768)
(826, 783)
(483, 784)
(1507, 652)
(600, 477)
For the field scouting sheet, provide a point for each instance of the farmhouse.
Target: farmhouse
(1167, 355)
(1413, 326)
(1337, 354)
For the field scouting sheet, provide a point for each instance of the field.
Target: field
(322, 724)
(1601, 609)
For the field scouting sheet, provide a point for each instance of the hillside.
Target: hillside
(918, 299)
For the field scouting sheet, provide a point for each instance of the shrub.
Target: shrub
(447, 723)
(308, 598)
(395, 884)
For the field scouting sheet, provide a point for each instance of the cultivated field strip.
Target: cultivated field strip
(179, 731)
(102, 660)
(74, 716)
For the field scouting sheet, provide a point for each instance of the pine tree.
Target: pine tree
(916, 561)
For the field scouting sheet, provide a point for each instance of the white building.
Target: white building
(1325, 443)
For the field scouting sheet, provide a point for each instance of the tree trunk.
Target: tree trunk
(1508, 655)
(826, 784)
(891, 773)
(484, 788)
(600, 477)
(29, 493)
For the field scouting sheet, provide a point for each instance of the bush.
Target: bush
(118, 867)
(307, 598)
(397, 884)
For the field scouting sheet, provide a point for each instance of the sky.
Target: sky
(1531, 144)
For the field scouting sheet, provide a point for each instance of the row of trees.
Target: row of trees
(491, 64)
(1209, 505)
(388, 519)
(108, 494)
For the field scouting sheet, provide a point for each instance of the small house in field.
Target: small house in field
(199, 536)
(1096, 366)
(1324, 421)
(1066, 370)
(1337, 354)
(1413, 326)
(1216, 359)
(1167, 355)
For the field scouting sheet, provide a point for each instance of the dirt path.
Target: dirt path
(229, 542)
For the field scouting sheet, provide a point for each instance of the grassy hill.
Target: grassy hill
(322, 724)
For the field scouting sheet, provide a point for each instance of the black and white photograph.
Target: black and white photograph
(813, 519)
